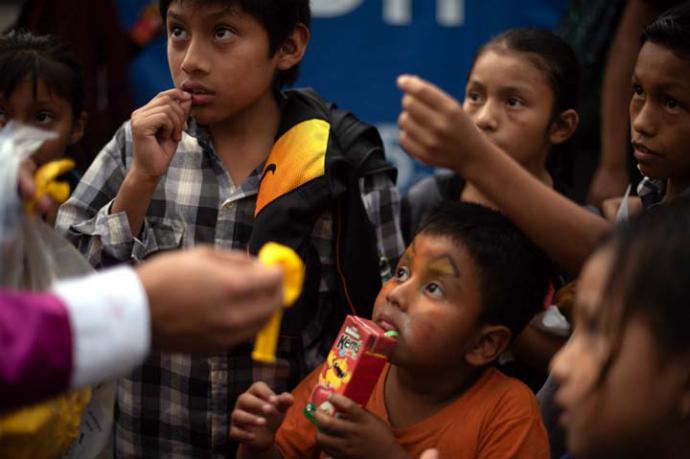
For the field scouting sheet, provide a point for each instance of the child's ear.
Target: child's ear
(564, 126)
(491, 341)
(293, 48)
(78, 128)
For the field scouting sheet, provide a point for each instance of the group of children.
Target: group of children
(230, 159)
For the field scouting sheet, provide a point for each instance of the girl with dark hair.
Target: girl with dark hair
(41, 85)
(625, 373)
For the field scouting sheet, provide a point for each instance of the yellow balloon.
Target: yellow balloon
(272, 254)
(44, 178)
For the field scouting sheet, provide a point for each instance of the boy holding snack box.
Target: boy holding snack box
(468, 283)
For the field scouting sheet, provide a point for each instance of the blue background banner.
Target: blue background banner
(359, 47)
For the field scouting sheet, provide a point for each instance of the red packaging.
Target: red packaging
(354, 364)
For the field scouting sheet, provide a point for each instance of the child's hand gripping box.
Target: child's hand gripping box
(354, 365)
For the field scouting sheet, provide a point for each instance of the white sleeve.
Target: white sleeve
(110, 321)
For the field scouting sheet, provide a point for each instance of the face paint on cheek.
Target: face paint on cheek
(423, 325)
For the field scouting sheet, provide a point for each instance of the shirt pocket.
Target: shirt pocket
(164, 236)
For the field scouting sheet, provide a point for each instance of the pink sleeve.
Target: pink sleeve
(35, 348)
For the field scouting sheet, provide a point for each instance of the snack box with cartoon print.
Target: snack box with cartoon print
(354, 365)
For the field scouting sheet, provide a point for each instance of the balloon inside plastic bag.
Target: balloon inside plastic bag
(32, 257)
(32, 254)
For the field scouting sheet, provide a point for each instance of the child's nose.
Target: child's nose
(485, 118)
(397, 296)
(643, 119)
(194, 59)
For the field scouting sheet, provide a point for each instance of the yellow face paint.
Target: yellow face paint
(443, 266)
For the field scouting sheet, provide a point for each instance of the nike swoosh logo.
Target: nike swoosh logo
(270, 168)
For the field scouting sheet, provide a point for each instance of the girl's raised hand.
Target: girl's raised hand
(434, 128)
(156, 131)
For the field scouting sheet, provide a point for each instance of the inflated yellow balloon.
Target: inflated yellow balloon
(44, 178)
(274, 254)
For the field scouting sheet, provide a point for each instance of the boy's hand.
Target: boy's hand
(156, 130)
(434, 128)
(258, 414)
(357, 434)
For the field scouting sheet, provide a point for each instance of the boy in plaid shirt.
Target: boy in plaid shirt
(197, 164)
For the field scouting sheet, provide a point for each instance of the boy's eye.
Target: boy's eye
(433, 290)
(177, 33)
(223, 33)
(586, 324)
(402, 273)
(514, 102)
(44, 117)
(672, 104)
(637, 90)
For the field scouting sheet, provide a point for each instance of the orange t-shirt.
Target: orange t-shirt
(498, 417)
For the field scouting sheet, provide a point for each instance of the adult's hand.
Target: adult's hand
(205, 300)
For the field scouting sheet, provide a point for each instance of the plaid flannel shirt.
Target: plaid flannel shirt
(177, 405)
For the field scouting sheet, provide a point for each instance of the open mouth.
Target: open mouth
(644, 153)
(201, 95)
(387, 324)
(194, 87)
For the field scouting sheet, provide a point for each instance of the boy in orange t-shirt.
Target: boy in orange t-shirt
(468, 283)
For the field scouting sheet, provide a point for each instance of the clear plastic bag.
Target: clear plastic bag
(32, 257)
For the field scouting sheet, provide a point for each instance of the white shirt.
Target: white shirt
(110, 321)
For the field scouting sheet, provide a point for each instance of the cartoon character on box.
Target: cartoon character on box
(336, 373)
(331, 380)
(353, 366)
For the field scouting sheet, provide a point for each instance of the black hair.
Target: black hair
(279, 18)
(514, 273)
(41, 58)
(550, 54)
(671, 29)
(557, 60)
(649, 275)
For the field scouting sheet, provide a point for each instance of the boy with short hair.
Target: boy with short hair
(226, 158)
(468, 284)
